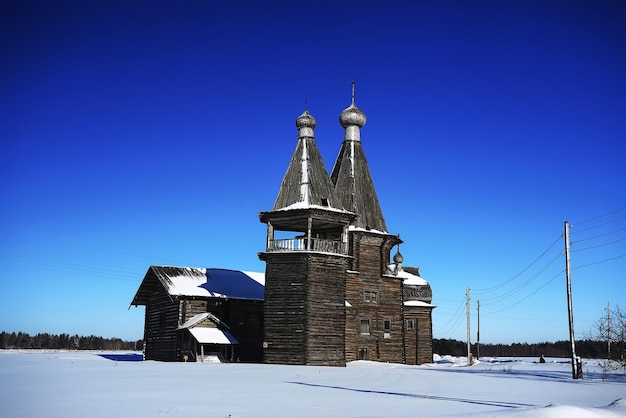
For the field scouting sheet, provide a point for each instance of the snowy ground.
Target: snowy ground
(83, 384)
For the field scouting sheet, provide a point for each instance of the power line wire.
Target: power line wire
(491, 289)
(530, 294)
(599, 235)
(597, 226)
(84, 270)
(599, 262)
(599, 216)
(491, 301)
(176, 262)
(446, 328)
(452, 327)
(599, 245)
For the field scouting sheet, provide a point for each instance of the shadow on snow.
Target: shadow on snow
(505, 369)
(501, 404)
(122, 357)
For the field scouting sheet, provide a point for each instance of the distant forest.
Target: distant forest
(584, 348)
(65, 342)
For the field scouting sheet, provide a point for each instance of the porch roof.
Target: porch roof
(206, 335)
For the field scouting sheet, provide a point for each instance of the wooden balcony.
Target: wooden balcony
(300, 244)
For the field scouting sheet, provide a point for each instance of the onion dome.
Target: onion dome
(398, 258)
(306, 123)
(306, 120)
(352, 116)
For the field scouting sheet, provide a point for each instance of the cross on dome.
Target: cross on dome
(352, 115)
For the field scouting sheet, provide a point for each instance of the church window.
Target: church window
(365, 326)
(370, 297)
(410, 324)
(386, 325)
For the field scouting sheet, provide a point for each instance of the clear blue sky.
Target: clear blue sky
(139, 133)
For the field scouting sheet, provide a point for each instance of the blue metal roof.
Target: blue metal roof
(200, 282)
(233, 284)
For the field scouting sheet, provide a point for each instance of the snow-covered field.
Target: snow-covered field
(84, 384)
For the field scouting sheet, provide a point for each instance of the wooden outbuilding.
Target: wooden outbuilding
(191, 312)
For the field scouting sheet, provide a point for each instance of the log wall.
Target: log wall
(326, 311)
(304, 308)
(246, 324)
(419, 341)
(161, 323)
(371, 255)
(284, 312)
(189, 307)
(165, 315)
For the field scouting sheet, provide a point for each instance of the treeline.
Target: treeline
(584, 348)
(47, 341)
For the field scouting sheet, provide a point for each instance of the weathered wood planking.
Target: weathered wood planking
(304, 312)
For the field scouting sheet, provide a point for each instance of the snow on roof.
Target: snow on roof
(211, 282)
(418, 303)
(194, 320)
(256, 276)
(306, 205)
(212, 336)
(409, 278)
(359, 228)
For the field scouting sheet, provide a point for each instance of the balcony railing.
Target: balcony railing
(300, 244)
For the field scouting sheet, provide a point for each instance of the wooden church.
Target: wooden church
(331, 292)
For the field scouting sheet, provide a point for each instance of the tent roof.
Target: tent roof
(355, 187)
(306, 182)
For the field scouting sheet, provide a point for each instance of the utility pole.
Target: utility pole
(467, 311)
(575, 371)
(608, 330)
(478, 331)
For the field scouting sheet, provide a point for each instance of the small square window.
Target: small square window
(363, 354)
(370, 297)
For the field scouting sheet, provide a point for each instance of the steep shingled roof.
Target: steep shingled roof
(351, 174)
(306, 182)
